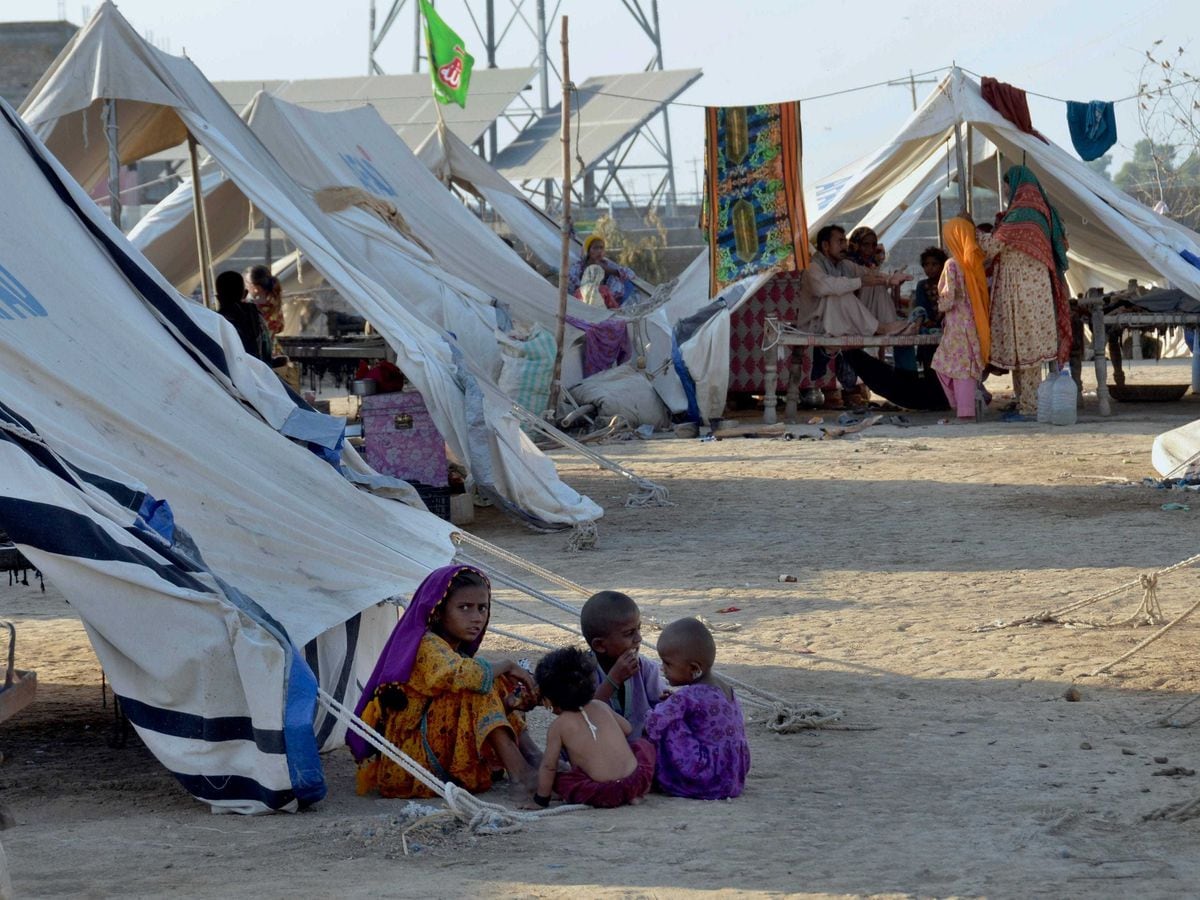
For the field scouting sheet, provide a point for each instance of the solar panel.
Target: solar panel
(610, 108)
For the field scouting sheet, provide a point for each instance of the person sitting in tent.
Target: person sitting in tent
(267, 294)
(618, 280)
(828, 304)
(245, 317)
(863, 248)
(963, 299)
(1031, 318)
(924, 309)
(431, 697)
(593, 291)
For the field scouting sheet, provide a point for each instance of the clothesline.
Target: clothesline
(851, 90)
(891, 81)
(1161, 90)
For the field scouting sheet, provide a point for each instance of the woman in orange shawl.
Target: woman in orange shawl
(966, 335)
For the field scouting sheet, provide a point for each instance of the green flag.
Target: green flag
(449, 62)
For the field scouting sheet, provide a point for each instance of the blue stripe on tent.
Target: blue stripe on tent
(685, 377)
(201, 728)
(126, 496)
(233, 787)
(67, 533)
(16, 418)
(163, 302)
(300, 703)
(40, 454)
(352, 629)
(303, 751)
(122, 494)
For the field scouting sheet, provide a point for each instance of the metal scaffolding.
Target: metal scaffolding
(513, 27)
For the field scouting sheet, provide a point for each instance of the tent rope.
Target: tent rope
(583, 537)
(504, 578)
(778, 714)
(1150, 640)
(1149, 606)
(471, 540)
(1169, 720)
(480, 816)
(525, 612)
(650, 493)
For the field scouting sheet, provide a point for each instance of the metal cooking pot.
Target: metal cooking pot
(364, 387)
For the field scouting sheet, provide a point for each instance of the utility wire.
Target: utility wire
(861, 87)
(864, 87)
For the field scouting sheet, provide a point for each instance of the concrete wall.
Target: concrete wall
(26, 51)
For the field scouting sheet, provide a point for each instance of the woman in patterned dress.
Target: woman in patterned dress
(1030, 315)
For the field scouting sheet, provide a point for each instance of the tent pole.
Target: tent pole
(202, 248)
(937, 205)
(114, 162)
(564, 264)
(970, 170)
(960, 171)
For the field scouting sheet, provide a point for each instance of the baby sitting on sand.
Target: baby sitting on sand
(606, 770)
(699, 734)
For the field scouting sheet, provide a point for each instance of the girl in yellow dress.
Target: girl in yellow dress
(431, 697)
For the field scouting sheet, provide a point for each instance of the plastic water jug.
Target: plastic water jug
(1064, 399)
(1045, 398)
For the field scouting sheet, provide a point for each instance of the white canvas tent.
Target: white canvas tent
(1112, 237)
(107, 59)
(452, 161)
(443, 264)
(216, 626)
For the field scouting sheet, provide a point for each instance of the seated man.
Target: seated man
(828, 304)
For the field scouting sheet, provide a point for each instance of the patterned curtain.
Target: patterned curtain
(753, 205)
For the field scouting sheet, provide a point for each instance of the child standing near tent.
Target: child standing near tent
(699, 733)
(631, 684)
(963, 299)
(606, 771)
(434, 700)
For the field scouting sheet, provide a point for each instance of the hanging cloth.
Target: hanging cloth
(1011, 103)
(605, 344)
(1093, 128)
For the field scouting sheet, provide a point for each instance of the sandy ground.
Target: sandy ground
(979, 779)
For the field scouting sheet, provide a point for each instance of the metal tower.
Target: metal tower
(528, 18)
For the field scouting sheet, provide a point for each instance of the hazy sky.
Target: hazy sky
(750, 50)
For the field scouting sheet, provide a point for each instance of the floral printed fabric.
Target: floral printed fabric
(1024, 326)
(754, 209)
(450, 705)
(700, 736)
(958, 354)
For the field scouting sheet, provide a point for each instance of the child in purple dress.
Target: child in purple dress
(698, 731)
(631, 684)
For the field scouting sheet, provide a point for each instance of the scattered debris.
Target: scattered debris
(787, 578)
(1172, 771)
(1072, 694)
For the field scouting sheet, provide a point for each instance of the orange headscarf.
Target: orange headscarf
(959, 237)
